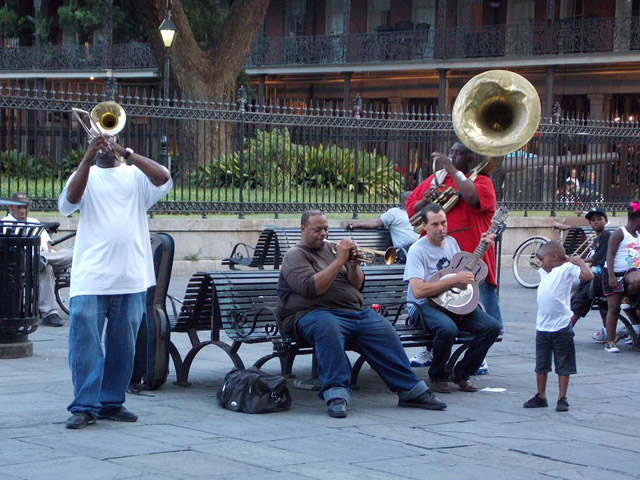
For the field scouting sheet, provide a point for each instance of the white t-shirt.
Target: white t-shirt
(628, 253)
(45, 238)
(554, 297)
(112, 253)
(397, 221)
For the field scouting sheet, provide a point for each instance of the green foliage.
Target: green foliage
(19, 164)
(70, 163)
(206, 18)
(8, 22)
(44, 31)
(272, 161)
(90, 15)
(29, 167)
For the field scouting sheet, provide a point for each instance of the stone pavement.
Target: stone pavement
(182, 432)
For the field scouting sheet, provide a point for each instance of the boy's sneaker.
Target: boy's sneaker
(562, 405)
(611, 347)
(600, 336)
(484, 368)
(422, 358)
(536, 402)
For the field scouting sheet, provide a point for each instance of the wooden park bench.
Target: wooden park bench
(242, 303)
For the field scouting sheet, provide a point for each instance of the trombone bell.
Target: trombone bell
(109, 116)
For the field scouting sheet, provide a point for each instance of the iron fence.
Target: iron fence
(240, 157)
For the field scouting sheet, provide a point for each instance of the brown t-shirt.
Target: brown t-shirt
(297, 289)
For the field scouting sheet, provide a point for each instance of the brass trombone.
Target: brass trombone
(106, 118)
(368, 255)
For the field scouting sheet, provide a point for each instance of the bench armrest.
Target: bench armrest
(174, 301)
(386, 307)
(248, 251)
(245, 323)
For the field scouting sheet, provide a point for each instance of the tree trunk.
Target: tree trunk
(203, 75)
(196, 73)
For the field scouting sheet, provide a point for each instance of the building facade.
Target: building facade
(417, 54)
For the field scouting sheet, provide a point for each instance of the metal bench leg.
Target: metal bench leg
(355, 370)
(177, 362)
(455, 356)
(183, 375)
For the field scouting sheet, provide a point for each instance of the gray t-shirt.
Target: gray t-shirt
(424, 259)
(397, 221)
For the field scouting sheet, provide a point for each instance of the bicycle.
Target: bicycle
(525, 264)
(62, 278)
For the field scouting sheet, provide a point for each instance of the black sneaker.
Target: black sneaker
(52, 320)
(119, 414)
(79, 420)
(338, 408)
(536, 402)
(426, 400)
(562, 405)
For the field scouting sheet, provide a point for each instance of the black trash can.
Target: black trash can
(19, 268)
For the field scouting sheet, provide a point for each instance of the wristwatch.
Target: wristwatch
(127, 151)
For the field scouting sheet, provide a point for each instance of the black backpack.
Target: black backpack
(254, 391)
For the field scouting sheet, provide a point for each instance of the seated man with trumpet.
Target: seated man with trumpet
(426, 258)
(111, 272)
(320, 302)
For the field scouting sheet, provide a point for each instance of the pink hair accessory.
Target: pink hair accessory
(635, 206)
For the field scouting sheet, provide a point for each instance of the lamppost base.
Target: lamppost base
(20, 349)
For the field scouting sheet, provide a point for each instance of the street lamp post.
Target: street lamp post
(168, 32)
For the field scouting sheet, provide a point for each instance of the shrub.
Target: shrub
(272, 160)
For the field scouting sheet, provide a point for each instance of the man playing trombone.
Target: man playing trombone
(112, 270)
(320, 302)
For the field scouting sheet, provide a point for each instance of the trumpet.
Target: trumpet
(368, 255)
(106, 118)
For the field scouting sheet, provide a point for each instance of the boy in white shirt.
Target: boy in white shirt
(554, 335)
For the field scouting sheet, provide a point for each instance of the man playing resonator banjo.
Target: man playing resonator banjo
(429, 255)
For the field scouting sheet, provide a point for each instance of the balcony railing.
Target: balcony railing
(508, 41)
(132, 55)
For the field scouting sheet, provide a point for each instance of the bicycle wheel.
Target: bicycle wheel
(63, 282)
(525, 264)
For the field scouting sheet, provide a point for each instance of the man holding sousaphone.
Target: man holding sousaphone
(495, 113)
(112, 268)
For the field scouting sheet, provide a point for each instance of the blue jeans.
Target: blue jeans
(332, 331)
(445, 328)
(489, 300)
(100, 378)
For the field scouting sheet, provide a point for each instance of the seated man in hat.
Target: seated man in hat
(53, 260)
(596, 257)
